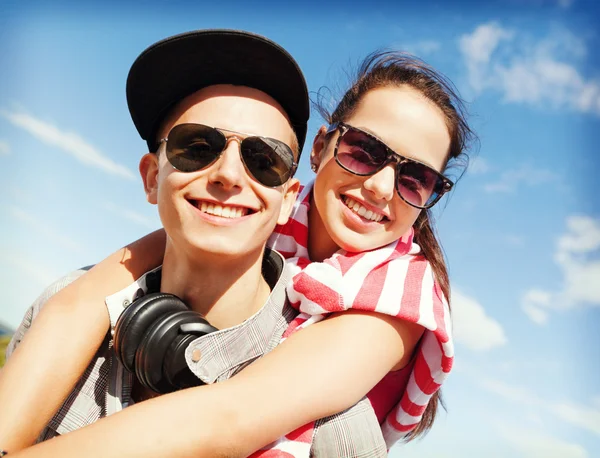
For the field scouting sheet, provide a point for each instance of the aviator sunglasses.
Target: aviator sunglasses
(193, 147)
(363, 154)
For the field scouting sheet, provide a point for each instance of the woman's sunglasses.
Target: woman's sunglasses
(361, 153)
(193, 147)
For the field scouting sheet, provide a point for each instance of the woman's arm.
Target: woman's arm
(62, 341)
(316, 372)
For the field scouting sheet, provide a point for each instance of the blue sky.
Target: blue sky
(521, 231)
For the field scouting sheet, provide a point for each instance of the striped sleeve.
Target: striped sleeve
(395, 280)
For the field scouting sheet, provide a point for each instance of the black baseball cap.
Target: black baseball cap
(173, 68)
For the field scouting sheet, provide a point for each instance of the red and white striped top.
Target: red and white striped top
(396, 280)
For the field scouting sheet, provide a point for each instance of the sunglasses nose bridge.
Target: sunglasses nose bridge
(234, 138)
(396, 158)
(239, 141)
(228, 169)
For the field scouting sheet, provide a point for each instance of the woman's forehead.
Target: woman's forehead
(406, 121)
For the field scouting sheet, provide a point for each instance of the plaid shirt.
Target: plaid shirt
(105, 387)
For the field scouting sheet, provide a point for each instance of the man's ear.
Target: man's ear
(290, 192)
(149, 173)
(318, 148)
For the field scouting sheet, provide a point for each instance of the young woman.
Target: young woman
(365, 228)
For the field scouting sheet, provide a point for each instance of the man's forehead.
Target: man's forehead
(239, 108)
(227, 94)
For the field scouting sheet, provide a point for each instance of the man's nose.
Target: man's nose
(228, 171)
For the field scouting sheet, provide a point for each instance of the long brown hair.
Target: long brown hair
(388, 68)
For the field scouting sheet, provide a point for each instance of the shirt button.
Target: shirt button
(196, 355)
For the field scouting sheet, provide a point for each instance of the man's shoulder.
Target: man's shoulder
(59, 284)
(62, 282)
(33, 311)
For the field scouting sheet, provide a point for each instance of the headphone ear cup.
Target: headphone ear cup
(150, 357)
(135, 320)
(175, 368)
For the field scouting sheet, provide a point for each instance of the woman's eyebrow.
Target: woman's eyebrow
(366, 129)
(420, 161)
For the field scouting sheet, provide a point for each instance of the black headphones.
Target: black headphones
(151, 337)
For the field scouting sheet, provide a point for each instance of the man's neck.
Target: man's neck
(320, 245)
(226, 293)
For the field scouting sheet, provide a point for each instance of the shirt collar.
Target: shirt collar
(217, 356)
(213, 356)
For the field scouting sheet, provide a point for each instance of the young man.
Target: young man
(211, 105)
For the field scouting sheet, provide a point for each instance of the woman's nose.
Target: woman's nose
(382, 184)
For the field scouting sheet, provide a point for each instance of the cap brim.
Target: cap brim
(176, 67)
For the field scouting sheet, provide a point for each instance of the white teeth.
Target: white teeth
(223, 212)
(362, 211)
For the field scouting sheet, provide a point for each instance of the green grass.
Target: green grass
(4, 340)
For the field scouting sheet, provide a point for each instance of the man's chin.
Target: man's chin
(222, 247)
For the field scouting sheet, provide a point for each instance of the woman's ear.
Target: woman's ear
(149, 172)
(318, 148)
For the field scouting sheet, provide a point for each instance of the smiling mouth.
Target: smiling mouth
(362, 211)
(223, 211)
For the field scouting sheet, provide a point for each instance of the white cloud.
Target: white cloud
(478, 48)
(69, 142)
(514, 239)
(509, 392)
(43, 228)
(583, 236)
(535, 314)
(472, 327)
(539, 72)
(35, 271)
(565, 3)
(533, 301)
(511, 180)
(577, 258)
(533, 444)
(4, 148)
(581, 282)
(478, 166)
(18, 195)
(581, 416)
(421, 48)
(132, 216)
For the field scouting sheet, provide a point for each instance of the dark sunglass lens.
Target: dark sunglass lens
(418, 184)
(269, 161)
(360, 153)
(193, 147)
